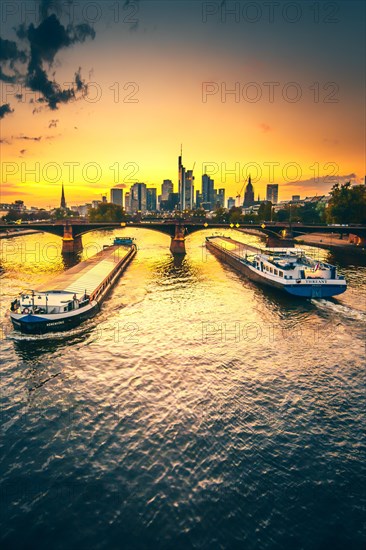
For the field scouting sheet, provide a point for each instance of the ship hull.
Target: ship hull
(36, 324)
(305, 289)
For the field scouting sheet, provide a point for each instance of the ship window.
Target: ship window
(271, 269)
(280, 273)
(275, 271)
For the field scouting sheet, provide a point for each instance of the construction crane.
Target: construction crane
(239, 193)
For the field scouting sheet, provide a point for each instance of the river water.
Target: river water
(197, 410)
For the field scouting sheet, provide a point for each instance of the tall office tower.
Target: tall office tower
(230, 202)
(127, 202)
(185, 186)
(166, 188)
(221, 197)
(272, 193)
(138, 198)
(151, 199)
(117, 196)
(198, 199)
(249, 194)
(208, 191)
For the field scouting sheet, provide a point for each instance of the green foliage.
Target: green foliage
(347, 204)
(265, 211)
(221, 215)
(107, 212)
(13, 216)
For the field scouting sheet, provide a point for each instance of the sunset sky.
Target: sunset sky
(149, 76)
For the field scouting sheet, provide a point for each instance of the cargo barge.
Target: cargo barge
(287, 269)
(72, 297)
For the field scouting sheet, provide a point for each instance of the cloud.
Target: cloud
(323, 183)
(10, 56)
(5, 110)
(265, 127)
(43, 43)
(4, 141)
(330, 141)
(22, 151)
(53, 123)
(28, 138)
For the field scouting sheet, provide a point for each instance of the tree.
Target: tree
(265, 211)
(347, 204)
(107, 212)
(221, 215)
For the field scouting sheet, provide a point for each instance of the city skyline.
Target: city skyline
(122, 121)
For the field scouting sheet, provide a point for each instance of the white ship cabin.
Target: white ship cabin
(292, 263)
(50, 302)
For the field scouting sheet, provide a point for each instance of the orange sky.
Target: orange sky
(143, 137)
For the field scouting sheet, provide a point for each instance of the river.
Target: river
(197, 410)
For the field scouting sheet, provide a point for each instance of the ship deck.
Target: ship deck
(86, 276)
(235, 248)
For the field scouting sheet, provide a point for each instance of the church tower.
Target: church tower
(63, 200)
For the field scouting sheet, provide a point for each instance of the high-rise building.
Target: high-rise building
(272, 193)
(138, 198)
(166, 188)
(186, 186)
(208, 191)
(127, 202)
(230, 202)
(63, 200)
(199, 199)
(151, 199)
(249, 194)
(221, 197)
(117, 196)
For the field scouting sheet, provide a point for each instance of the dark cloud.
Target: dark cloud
(53, 123)
(27, 138)
(323, 183)
(4, 141)
(9, 52)
(22, 151)
(43, 43)
(5, 110)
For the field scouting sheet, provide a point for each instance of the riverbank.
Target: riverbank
(331, 241)
(14, 233)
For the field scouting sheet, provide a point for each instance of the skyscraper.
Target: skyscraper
(117, 196)
(185, 186)
(208, 191)
(221, 197)
(138, 198)
(166, 188)
(249, 194)
(272, 193)
(151, 199)
(230, 202)
(63, 200)
(127, 202)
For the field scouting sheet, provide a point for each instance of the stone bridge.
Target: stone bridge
(278, 234)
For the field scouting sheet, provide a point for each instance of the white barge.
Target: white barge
(73, 296)
(288, 269)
